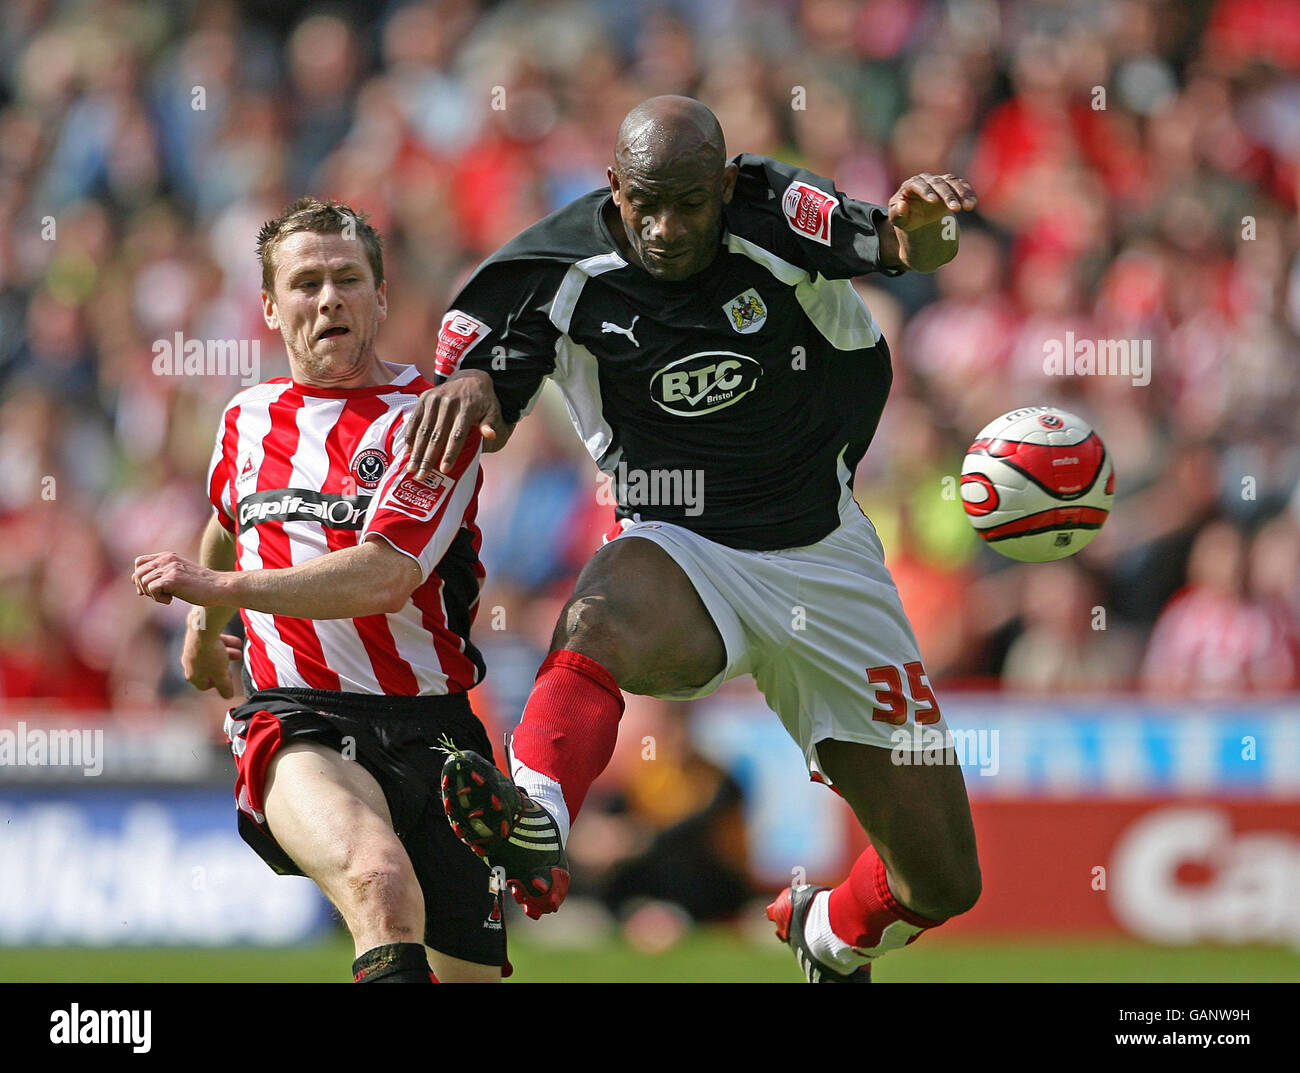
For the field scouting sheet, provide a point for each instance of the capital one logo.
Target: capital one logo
(704, 382)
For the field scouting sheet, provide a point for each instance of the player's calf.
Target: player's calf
(920, 870)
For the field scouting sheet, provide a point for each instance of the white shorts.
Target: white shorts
(822, 630)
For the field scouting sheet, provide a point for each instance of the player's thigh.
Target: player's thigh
(450, 970)
(635, 611)
(331, 816)
(917, 817)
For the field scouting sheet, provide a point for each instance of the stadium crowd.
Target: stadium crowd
(1138, 164)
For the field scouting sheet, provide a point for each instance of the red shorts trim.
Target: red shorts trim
(253, 742)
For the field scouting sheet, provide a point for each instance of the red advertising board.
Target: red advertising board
(1170, 871)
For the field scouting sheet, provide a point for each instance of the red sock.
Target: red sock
(570, 724)
(862, 908)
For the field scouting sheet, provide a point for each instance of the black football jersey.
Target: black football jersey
(736, 403)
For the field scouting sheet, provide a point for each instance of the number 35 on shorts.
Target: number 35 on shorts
(890, 695)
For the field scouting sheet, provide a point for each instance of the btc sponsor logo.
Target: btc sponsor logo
(704, 382)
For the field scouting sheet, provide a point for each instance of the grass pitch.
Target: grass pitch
(708, 955)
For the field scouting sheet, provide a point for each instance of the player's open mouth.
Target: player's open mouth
(333, 332)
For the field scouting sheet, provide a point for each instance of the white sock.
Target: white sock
(545, 791)
(825, 945)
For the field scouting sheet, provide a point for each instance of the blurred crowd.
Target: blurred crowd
(1138, 166)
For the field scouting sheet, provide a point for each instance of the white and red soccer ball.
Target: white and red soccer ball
(1037, 484)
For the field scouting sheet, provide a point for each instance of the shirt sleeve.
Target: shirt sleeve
(500, 322)
(221, 492)
(804, 219)
(421, 518)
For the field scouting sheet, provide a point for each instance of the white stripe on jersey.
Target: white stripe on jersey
(251, 428)
(311, 467)
(340, 643)
(575, 279)
(833, 305)
(576, 373)
(411, 640)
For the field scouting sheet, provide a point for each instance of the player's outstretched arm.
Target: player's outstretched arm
(920, 238)
(374, 578)
(443, 417)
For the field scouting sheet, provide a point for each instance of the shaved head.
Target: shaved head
(669, 131)
(670, 180)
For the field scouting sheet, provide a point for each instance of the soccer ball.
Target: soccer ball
(1037, 484)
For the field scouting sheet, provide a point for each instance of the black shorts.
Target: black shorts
(395, 739)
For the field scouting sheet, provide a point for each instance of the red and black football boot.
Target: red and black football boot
(789, 913)
(508, 829)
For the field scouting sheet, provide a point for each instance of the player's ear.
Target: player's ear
(381, 300)
(729, 175)
(269, 312)
(612, 175)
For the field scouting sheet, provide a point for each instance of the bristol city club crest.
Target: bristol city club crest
(746, 312)
(368, 468)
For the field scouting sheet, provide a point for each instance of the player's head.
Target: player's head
(670, 180)
(323, 288)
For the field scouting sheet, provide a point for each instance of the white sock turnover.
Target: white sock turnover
(825, 945)
(545, 791)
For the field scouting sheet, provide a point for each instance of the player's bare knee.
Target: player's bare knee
(382, 889)
(635, 612)
(963, 893)
(947, 895)
(592, 625)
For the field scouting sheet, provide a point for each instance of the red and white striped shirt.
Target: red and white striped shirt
(1211, 644)
(300, 471)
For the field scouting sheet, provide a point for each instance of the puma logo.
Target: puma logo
(607, 326)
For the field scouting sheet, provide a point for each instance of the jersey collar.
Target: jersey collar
(405, 378)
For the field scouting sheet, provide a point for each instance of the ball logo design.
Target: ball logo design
(1037, 484)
